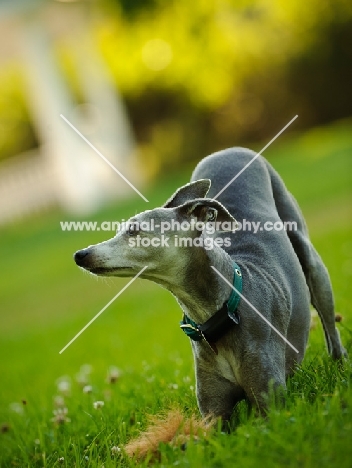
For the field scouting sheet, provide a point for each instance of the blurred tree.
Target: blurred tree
(16, 131)
(201, 75)
(208, 74)
(131, 7)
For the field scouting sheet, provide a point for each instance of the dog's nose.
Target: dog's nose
(80, 255)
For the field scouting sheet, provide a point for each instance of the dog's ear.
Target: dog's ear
(197, 189)
(208, 210)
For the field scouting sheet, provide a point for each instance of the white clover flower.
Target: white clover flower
(64, 385)
(98, 404)
(60, 416)
(173, 386)
(115, 449)
(61, 459)
(87, 389)
(83, 375)
(16, 408)
(86, 369)
(113, 374)
(59, 401)
(82, 379)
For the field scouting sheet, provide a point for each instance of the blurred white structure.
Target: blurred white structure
(64, 170)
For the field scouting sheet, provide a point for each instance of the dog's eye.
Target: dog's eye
(211, 216)
(132, 229)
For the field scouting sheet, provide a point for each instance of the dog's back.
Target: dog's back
(250, 199)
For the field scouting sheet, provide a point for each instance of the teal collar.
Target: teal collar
(221, 322)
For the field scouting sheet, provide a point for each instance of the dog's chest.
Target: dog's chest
(223, 363)
(226, 366)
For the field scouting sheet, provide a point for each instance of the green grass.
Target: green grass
(45, 300)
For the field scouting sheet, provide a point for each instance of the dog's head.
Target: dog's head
(161, 239)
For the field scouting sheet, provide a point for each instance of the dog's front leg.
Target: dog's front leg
(263, 376)
(216, 395)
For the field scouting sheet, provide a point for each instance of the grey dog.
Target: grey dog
(238, 354)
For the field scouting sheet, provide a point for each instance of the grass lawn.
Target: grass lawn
(45, 300)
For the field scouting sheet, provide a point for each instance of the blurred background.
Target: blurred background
(155, 86)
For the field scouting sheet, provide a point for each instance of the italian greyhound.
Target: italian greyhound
(238, 354)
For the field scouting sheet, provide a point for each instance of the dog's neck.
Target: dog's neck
(197, 287)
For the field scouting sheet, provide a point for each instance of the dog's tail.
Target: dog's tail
(317, 276)
(173, 428)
